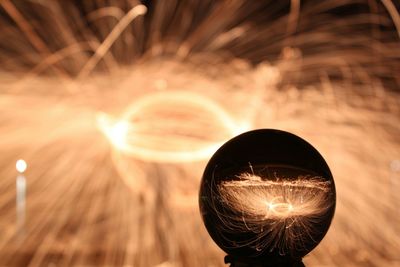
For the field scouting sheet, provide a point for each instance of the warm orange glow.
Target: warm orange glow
(117, 105)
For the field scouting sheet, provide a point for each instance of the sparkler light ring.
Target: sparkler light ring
(268, 196)
(171, 126)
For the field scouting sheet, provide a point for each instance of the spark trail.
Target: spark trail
(283, 213)
(324, 70)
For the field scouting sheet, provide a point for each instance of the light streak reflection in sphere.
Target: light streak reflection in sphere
(269, 200)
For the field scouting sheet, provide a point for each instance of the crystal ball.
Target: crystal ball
(268, 195)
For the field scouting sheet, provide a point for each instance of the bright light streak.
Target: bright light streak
(170, 126)
(20, 195)
(21, 165)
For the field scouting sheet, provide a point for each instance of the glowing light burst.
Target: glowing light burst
(170, 126)
(338, 90)
(282, 212)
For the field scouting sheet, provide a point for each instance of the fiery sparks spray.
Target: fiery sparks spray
(280, 212)
(71, 72)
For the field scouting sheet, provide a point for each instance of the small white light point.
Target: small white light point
(21, 166)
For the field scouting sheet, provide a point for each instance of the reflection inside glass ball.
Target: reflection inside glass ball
(281, 205)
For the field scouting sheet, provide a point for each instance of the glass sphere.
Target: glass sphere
(268, 195)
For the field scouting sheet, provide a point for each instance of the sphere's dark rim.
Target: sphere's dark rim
(300, 152)
(322, 168)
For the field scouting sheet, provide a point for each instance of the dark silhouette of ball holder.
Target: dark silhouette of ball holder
(275, 156)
